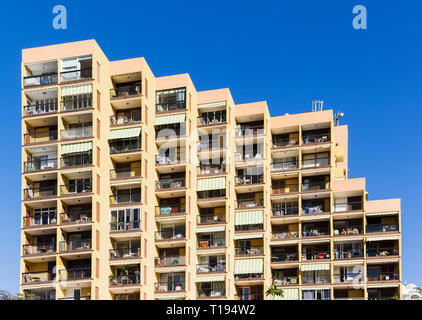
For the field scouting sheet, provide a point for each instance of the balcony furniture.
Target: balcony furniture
(204, 244)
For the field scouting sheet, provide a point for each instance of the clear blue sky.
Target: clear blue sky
(284, 52)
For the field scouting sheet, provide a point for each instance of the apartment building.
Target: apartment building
(142, 187)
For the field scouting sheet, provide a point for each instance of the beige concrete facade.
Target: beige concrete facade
(141, 187)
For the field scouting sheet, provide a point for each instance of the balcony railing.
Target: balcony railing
(125, 198)
(126, 91)
(41, 192)
(211, 218)
(347, 206)
(385, 227)
(166, 133)
(283, 235)
(211, 169)
(286, 281)
(211, 121)
(76, 103)
(211, 267)
(39, 248)
(40, 108)
(249, 179)
(40, 220)
(347, 230)
(311, 279)
(249, 227)
(249, 276)
(279, 142)
(211, 194)
(124, 280)
(125, 226)
(170, 286)
(383, 276)
(348, 278)
(251, 296)
(170, 261)
(284, 165)
(315, 209)
(170, 184)
(170, 235)
(316, 255)
(251, 251)
(250, 131)
(212, 145)
(315, 186)
(285, 209)
(315, 163)
(125, 253)
(40, 80)
(127, 117)
(125, 173)
(348, 254)
(250, 203)
(163, 160)
(75, 245)
(37, 165)
(213, 241)
(81, 159)
(170, 107)
(72, 189)
(166, 210)
(377, 252)
(73, 274)
(316, 138)
(206, 293)
(284, 257)
(76, 298)
(316, 232)
(40, 137)
(125, 145)
(287, 188)
(38, 277)
(76, 217)
(73, 75)
(76, 133)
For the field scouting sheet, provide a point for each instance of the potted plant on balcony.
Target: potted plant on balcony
(274, 291)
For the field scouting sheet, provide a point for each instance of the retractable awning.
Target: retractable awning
(211, 184)
(379, 214)
(210, 229)
(75, 90)
(246, 266)
(248, 236)
(288, 294)
(315, 267)
(215, 278)
(176, 118)
(212, 105)
(76, 147)
(249, 217)
(124, 133)
(382, 238)
(116, 184)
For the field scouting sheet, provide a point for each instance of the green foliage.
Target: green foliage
(274, 291)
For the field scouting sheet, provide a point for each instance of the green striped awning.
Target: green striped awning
(74, 90)
(246, 266)
(211, 184)
(249, 217)
(315, 267)
(124, 133)
(210, 229)
(248, 236)
(124, 183)
(176, 118)
(76, 147)
(381, 238)
(214, 278)
(288, 294)
(212, 105)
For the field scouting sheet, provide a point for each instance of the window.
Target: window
(125, 219)
(98, 100)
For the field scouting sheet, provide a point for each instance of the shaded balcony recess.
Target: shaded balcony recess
(76, 188)
(38, 136)
(125, 280)
(315, 160)
(40, 73)
(348, 227)
(75, 245)
(249, 277)
(211, 218)
(382, 224)
(285, 277)
(316, 230)
(251, 296)
(125, 225)
(40, 220)
(313, 206)
(285, 140)
(316, 277)
(72, 274)
(38, 277)
(40, 192)
(41, 107)
(250, 129)
(349, 277)
(82, 216)
(76, 103)
(212, 118)
(76, 159)
(250, 250)
(290, 163)
(348, 204)
(207, 240)
(381, 251)
(210, 194)
(170, 286)
(126, 117)
(74, 69)
(282, 233)
(284, 254)
(208, 292)
(211, 267)
(285, 209)
(125, 172)
(171, 157)
(76, 133)
(210, 169)
(170, 183)
(123, 253)
(281, 187)
(75, 75)
(252, 202)
(170, 260)
(127, 89)
(40, 248)
(170, 100)
(170, 209)
(316, 252)
(315, 183)
(316, 136)
(125, 145)
(248, 179)
(175, 234)
(38, 164)
(170, 131)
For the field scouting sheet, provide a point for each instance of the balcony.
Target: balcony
(75, 245)
(207, 293)
(284, 165)
(77, 217)
(212, 118)
(257, 250)
(210, 145)
(126, 91)
(249, 277)
(40, 165)
(76, 75)
(211, 169)
(211, 267)
(74, 189)
(250, 203)
(212, 241)
(74, 274)
(169, 286)
(170, 235)
(348, 230)
(125, 253)
(40, 137)
(285, 188)
(125, 225)
(132, 197)
(315, 138)
(40, 193)
(125, 145)
(40, 221)
(381, 228)
(168, 184)
(126, 117)
(285, 209)
(284, 257)
(315, 163)
(167, 160)
(124, 280)
(39, 248)
(347, 206)
(76, 133)
(285, 235)
(315, 279)
(382, 276)
(40, 80)
(249, 227)
(316, 254)
(211, 194)
(249, 131)
(81, 159)
(355, 253)
(76, 298)
(40, 108)
(244, 180)
(169, 210)
(251, 296)
(348, 278)
(214, 218)
(381, 252)
(76, 103)
(169, 261)
(170, 100)
(286, 281)
(38, 277)
(316, 232)
(315, 186)
(125, 173)
(284, 142)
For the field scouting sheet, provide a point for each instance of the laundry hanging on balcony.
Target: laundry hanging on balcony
(75, 90)
(249, 217)
(176, 118)
(315, 267)
(76, 147)
(211, 184)
(248, 266)
(215, 278)
(124, 133)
